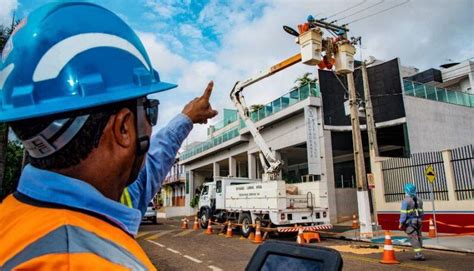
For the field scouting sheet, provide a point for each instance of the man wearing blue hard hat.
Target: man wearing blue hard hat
(411, 217)
(74, 80)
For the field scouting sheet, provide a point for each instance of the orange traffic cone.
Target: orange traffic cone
(300, 238)
(258, 234)
(229, 230)
(196, 223)
(209, 227)
(388, 256)
(251, 236)
(355, 222)
(432, 231)
(184, 225)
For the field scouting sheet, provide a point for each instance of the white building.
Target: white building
(308, 129)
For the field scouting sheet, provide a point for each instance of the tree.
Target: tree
(256, 107)
(8, 176)
(305, 79)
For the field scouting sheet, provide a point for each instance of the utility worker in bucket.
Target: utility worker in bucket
(411, 217)
(74, 81)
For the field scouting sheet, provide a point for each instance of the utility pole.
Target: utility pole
(362, 193)
(373, 146)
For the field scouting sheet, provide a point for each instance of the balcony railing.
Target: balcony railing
(438, 94)
(294, 96)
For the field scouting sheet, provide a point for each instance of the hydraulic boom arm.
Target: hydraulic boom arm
(268, 160)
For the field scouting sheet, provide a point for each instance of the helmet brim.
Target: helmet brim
(67, 104)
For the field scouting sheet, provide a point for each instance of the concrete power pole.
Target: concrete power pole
(373, 146)
(362, 193)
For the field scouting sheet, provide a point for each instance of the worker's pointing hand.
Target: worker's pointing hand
(199, 110)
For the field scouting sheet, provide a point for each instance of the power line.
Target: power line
(357, 12)
(342, 11)
(376, 13)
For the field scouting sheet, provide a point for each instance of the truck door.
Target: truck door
(205, 199)
(220, 195)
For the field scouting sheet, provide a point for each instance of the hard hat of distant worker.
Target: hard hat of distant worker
(53, 63)
(410, 189)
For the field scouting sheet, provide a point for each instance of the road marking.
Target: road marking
(156, 243)
(192, 259)
(214, 268)
(183, 233)
(154, 236)
(140, 234)
(172, 250)
(413, 266)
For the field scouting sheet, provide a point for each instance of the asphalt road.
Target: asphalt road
(171, 248)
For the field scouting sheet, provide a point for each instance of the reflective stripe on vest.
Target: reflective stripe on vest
(411, 211)
(73, 239)
(125, 198)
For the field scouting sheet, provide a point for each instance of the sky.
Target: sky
(193, 42)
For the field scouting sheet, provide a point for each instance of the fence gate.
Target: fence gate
(399, 171)
(463, 166)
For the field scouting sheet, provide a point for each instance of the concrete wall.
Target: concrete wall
(346, 203)
(436, 125)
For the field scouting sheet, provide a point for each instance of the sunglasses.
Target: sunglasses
(151, 110)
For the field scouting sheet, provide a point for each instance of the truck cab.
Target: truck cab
(212, 198)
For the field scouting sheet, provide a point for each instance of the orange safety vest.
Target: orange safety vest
(47, 237)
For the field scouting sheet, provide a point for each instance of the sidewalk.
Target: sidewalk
(461, 243)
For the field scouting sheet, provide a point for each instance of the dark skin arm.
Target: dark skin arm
(199, 110)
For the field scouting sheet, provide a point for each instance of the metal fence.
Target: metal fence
(463, 166)
(399, 171)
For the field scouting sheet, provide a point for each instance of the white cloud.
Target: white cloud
(190, 31)
(422, 33)
(196, 76)
(167, 8)
(6, 11)
(162, 58)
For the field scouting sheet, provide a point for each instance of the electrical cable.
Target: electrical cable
(342, 11)
(376, 13)
(357, 12)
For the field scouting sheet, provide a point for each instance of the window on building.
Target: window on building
(344, 175)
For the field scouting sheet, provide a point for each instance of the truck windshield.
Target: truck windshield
(205, 190)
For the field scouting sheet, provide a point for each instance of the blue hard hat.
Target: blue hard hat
(410, 189)
(70, 56)
(310, 18)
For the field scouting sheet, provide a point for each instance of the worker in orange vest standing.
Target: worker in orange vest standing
(74, 81)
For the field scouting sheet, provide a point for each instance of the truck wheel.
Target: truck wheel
(246, 221)
(204, 218)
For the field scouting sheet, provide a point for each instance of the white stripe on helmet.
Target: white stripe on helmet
(5, 73)
(54, 60)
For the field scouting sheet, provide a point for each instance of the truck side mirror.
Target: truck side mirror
(283, 256)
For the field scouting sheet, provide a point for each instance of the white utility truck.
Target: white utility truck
(270, 201)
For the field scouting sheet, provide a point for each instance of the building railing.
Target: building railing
(438, 94)
(174, 179)
(294, 96)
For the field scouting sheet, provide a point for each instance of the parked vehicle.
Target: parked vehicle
(151, 214)
(272, 203)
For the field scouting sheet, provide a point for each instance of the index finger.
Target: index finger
(208, 91)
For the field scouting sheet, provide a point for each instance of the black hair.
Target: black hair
(82, 144)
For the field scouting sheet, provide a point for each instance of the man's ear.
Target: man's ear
(124, 128)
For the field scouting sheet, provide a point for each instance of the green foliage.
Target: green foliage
(255, 107)
(14, 160)
(194, 202)
(305, 79)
